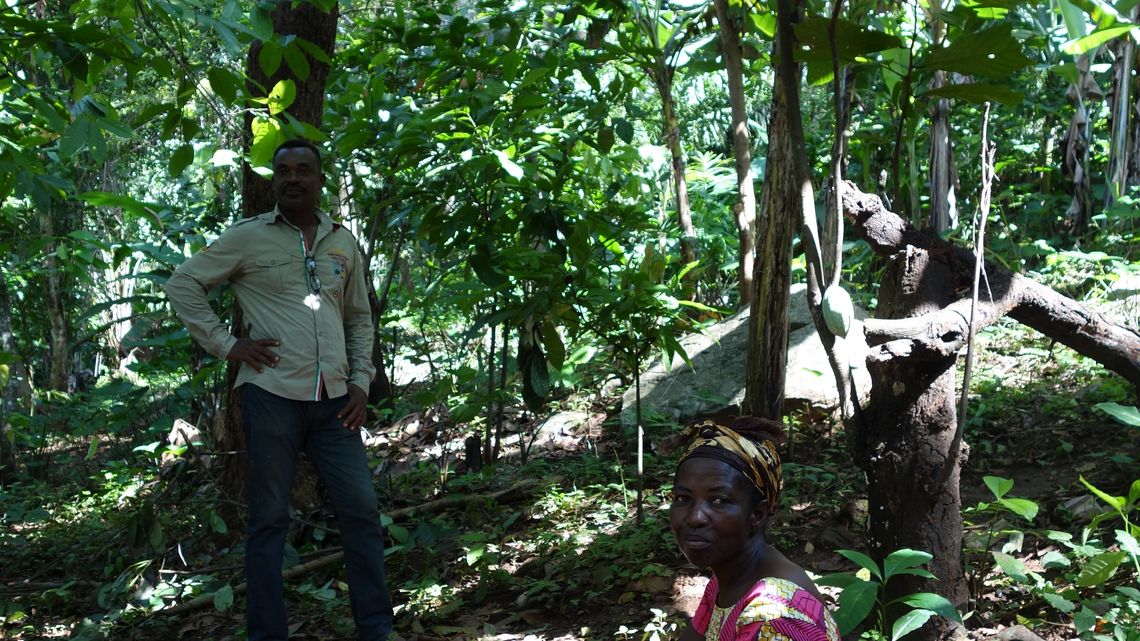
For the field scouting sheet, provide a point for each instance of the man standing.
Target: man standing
(304, 369)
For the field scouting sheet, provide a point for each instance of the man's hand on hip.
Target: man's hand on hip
(255, 353)
(356, 410)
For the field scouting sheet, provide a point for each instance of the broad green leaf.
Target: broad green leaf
(261, 23)
(508, 165)
(552, 341)
(1054, 559)
(838, 580)
(909, 622)
(282, 95)
(936, 603)
(605, 139)
(224, 598)
(224, 83)
(266, 137)
(624, 130)
(1096, 39)
(765, 23)
(1059, 602)
(1115, 502)
(904, 559)
(862, 560)
(1012, 567)
(1085, 620)
(126, 203)
(297, 60)
(1128, 543)
(180, 159)
(854, 41)
(993, 53)
(481, 263)
(1127, 414)
(978, 93)
(855, 603)
(269, 57)
(1024, 508)
(1100, 569)
(999, 486)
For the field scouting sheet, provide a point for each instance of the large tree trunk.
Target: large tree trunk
(745, 208)
(671, 131)
(11, 381)
(911, 417)
(1077, 141)
(1119, 149)
(781, 210)
(305, 21)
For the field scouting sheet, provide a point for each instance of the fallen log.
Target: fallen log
(516, 492)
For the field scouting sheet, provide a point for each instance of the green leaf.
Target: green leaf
(837, 580)
(1059, 602)
(904, 559)
(261, 24)
(855, 603)
(224, 83)
(297, 60)
(605, 139)
(1024, 508)
(180, 159)
(993, 53)
(217, 524)
(1097, 571)
(936, 603)
(269, 58)
(224, 598)
(266, 137)
(1127, 414)
(552, 341)
(863, 561)
(978, 93)
(999, 486)
(283, 95)
(855, 42)
(483, 266)
(1012, 567)
(1115, 502)
(624, 130)
(1096, 39)
(909, 622)
(126, 203)
(1128, 543)
(508, 165)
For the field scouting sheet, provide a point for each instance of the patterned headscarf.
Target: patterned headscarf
(757, 460)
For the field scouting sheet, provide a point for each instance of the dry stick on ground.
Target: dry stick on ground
(988, 151)
(1026, 301)
(511, 494)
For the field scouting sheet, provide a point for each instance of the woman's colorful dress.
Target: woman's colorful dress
(774, 610)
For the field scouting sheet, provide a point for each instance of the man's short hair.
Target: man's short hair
(298, 143)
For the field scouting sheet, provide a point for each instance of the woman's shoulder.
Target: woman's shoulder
(789, 610)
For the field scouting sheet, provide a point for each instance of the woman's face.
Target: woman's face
(712, 514)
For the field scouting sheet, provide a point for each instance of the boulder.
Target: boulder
(677, 393)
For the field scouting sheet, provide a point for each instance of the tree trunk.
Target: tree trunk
(943, 203)
(10, 381)
(911, 417)
(745, 208)
(1119, 148)
(911, 424)
(305, 21)
(1077, 141)
(781, 209)
(671, 131)
(54, 288)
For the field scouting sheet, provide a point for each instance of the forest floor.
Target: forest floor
(552, 549)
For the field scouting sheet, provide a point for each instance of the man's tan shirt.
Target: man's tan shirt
(325, 327)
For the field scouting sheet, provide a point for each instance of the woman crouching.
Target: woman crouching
(725, 490)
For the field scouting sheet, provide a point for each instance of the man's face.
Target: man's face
(297, 178)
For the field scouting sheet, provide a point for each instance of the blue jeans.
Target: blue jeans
(277, 430)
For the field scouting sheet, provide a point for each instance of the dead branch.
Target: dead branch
(1030, 303)
(516, 492)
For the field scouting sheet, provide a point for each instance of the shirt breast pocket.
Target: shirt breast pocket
(272, 273)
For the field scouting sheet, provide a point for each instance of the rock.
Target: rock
(715, 381)
(563, 430)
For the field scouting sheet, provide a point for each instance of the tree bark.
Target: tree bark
(1119, 149)
(54, 294)
(943, 204)
(16, 372)
(671, 131)
(781, 209)
(319, 27)
(1030, 303)
(745, 209)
